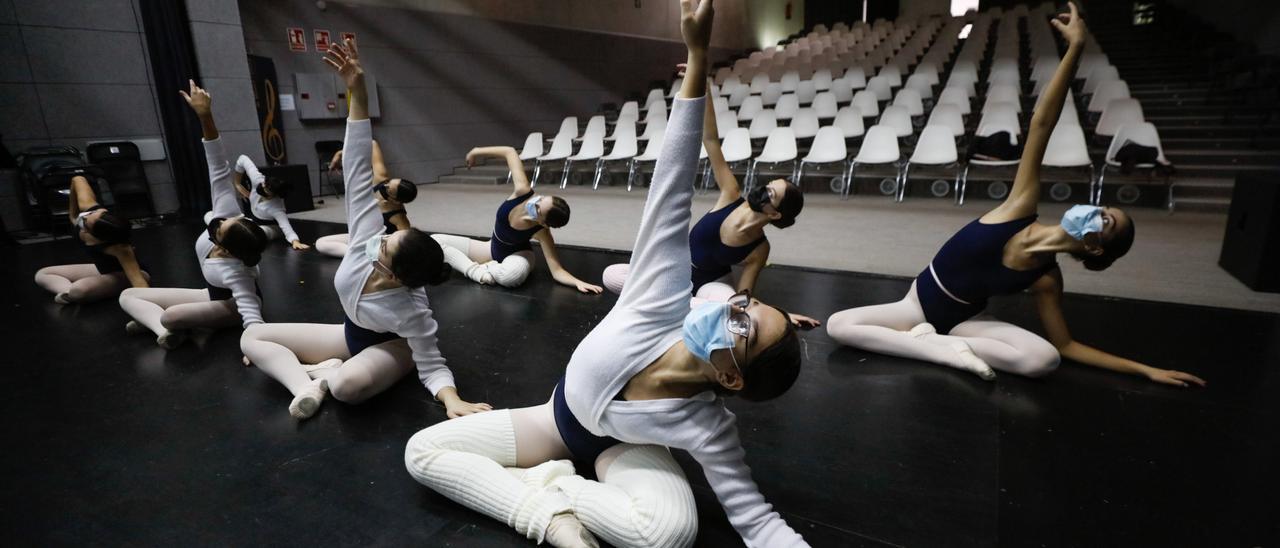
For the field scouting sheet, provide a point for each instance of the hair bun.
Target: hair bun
(442, 275)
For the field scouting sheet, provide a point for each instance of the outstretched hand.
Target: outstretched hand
(804, 322)
(336, 163)
(460, 408)
(584, 287)
(695, 24)
(197, 98)
(345, 59)
(1175, 378)
(1070, 25)
(471, 158)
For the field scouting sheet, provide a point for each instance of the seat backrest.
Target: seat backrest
(1108, 90)
(739, 95)
(787, 106)
(595, 126)
(1066, 147)
(892, 74)
(656, 111)
(849, 120)
(675, 86)
(866, 102)
(780, 146)
(928, 71)
(763, 124)
(771, 93)
(750, 108)
(909, 99)
(1118, 113)
(737, 145)
(896, 118)
(824, 104)
(569, 126)
(561, 145)
(726, 121)
(758, 82)
(721, 104)
(624, 140)
(1099, 75)
(592, 145)
(828, 146)
(655, 96)
(880, 88)
(789, 81)
(856, 76)
(1143, 133)
(879, 146)
(843, 91)
(1003, 93)
(630, 109)
(805, 123)
(920, 83)
(937, 145)
(533, 145)
(822, 79)
(955, 96)
(654, 146)
(947, 115)
(654, 127)
(806, 91)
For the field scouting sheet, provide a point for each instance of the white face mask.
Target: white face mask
(373, 248)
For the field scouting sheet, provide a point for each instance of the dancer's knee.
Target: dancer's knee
(1039, 359)
(511, 272)
(357, 385)
(615, 275)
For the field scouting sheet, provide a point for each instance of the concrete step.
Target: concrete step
(1203, 188)
(468, 178)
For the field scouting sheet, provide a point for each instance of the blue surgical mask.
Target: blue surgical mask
(1081, 220)
(373, 248)
(531, 207)
(706, 329)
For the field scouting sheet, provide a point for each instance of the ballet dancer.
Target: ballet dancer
(507, 258)
(389, 328)
(732, 233)
(1004, 252)
(391, 193)
(651, 376)
(261, 199)
(105, 238)
(228, 250)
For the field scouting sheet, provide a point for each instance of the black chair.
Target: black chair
(324, 154)
(121, 166)
(46, 174)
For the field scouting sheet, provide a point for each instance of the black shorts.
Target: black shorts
(359, 338)
(583, 445)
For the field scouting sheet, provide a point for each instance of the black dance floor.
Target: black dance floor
(110, 440)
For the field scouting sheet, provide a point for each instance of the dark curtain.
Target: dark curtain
(173, 62)
(829, 12)
(882, 9)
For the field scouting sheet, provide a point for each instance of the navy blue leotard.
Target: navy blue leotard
(970, 268)
(506, 239)
(711, 258)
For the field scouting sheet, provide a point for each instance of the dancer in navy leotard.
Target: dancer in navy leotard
(1005, 251)
(507, 258)
(732, 233)
(105, 238)
(391, 192)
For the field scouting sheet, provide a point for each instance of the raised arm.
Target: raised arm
(558, 271)
(1023, 199)
(221, 187)
(363, 220)
(379, 166)
(514, 163)
(1048, 292)
(659, 279)
(728, 183)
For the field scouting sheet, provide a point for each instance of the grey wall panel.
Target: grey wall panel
(15, 67)
(214, 11)
(164, 196)
(85, 56)
(220, 50)
(230, 95)
(248, 143)
(95, 14)
(20, 111)
(109, 110)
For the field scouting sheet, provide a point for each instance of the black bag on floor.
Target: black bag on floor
(999, 147)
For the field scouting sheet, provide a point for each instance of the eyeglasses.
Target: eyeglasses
(739, 322)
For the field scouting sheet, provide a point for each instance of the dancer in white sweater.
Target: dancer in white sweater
(261, 199)
(228, 250)
(389, 328)
(649, 377)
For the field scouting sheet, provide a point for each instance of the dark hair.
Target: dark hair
(792, 203)
(1112, 250)
(406, 191)
(558, 215)
(244, 240)
(419, 260)
(111, 228)
(278, 187)
(774, 369)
